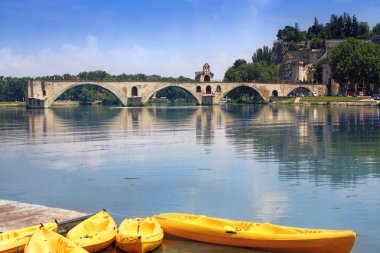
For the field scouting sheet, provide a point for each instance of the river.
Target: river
(302, 166)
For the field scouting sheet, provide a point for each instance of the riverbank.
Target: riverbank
(65, 103)
(22, 104)
(340, 101)
(12, 104)
(330, 101)
(14, 215)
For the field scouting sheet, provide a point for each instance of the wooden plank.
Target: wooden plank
(15, 215)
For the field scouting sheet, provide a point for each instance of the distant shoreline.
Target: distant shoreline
(329, 101)
(12, 104)
(23, 104)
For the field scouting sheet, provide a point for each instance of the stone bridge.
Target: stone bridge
(42, 94)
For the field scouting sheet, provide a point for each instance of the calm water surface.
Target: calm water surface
(299, 166)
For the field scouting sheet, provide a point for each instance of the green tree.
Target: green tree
(94, 75)
(290, 33)
(239, 62)
(376, 29)
(86, 96)
(174, 94)
(316, 43)
(347, 23)
(263, 54)
(12, 88)
(318, 74)
(265, 72)
(364, 31)
(355, 62)
(341, 27)
(259, 71)
(316, 30)
(355, 27)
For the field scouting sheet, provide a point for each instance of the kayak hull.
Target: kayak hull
(46, 241)
(15, 240)
(95, 233)
(139, 235)
(261, 236)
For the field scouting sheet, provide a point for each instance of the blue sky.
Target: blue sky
(165, 37)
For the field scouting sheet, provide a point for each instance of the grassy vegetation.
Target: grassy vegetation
(12, 104)
(65, 103)
(287, 101)
(332, 99)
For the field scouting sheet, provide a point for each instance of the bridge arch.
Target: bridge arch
(64, 88)
(231, 88)
(300, 90)
(150, 95)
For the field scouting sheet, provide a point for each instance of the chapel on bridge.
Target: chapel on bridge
(204, 76)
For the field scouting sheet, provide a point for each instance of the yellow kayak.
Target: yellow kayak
(15, 240)
(46, 241)
(261, 236)
(95, 233)
(139, 235)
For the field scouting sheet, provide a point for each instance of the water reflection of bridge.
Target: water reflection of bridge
(298, 137)
(205, 120)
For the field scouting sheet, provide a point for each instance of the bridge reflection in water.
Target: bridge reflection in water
(300, 138)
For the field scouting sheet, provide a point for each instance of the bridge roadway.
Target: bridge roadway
(42, 94)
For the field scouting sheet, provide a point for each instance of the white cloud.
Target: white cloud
(73, 59)
(130, 59)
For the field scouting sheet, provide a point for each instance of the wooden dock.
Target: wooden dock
(14, 215)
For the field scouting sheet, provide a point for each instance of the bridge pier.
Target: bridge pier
(134, 101)
(36, 103)
(34, 95)
(208, 100)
